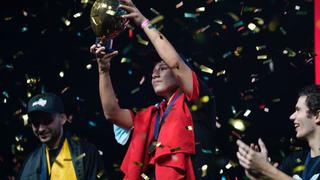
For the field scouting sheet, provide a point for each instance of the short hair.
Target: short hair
(312, 93)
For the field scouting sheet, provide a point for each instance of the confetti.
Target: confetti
(100, 174)
(206, 69)
(61, 74)
(125, 60)
(190, 15)
(194, 107)
(200, 9)
(142, 41)
(238, 124)
(76, 15)
(189, 128)
(135, 90)
(204, 170)
(180, 4)
(298, 169)
(80, 156)
(140, 164)
(223, 72)
(154, 11)
(145, 177)
(175, 149)
(206, 151)
(91, 123)
(205, 99)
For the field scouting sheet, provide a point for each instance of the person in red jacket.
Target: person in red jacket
(174, 138)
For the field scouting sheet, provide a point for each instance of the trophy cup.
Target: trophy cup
(106, 21)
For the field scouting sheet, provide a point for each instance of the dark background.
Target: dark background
(36, 44)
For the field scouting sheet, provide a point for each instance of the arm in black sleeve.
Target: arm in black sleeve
(93, 163)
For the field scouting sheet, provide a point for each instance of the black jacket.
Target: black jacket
(88, 167)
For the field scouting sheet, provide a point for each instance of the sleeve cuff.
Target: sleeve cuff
(121, 135)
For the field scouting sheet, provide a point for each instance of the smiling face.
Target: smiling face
(47, 127)
(304, 122)
(163, 81)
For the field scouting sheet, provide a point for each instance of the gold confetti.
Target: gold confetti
(66, 21)
(194, 107)
(273, 25)
(75, 138)
(61, 74)
(190, 128)
(100, 174)
(238, 124)
(159, 145)
(262, 57)
(200, 9)
(298, 169)
(80, 156)
(29, 94)
(175, 149)
(234, 16)
(289, 52)
(204, 170)
(77, 15)
(89, 66)
(137, 163)
(142, 41)
(84, 1)
(206, 69)
(125, 60)
(218, 125)
(25, 119)
(205, 99)
(156, 19)
(238, 51)
(221, 73)
(8, 18)
(18, 112)
(145, 177)
(231, 164)
(259, 20)
(258, 48)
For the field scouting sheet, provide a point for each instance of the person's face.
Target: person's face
(47, 127)
(304, 123)
(163, 80)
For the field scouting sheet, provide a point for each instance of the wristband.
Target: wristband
(145, 23)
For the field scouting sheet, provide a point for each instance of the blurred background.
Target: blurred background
(254, 55)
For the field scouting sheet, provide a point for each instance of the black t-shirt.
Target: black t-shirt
(293, 165)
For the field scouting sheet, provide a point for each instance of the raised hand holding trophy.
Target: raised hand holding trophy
(106, 21)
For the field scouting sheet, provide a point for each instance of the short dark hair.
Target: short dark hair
(149, 57)
(312, 93)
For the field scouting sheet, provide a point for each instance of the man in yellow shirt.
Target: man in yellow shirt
(59, 156)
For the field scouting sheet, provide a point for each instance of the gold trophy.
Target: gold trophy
(106, 21)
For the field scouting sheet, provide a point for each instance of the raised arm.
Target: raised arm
(111, 108)
(256, 161)
(164, 48)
